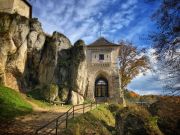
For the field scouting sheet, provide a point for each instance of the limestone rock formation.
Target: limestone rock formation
(76, 98)
(14, 30)
(31, 59)
(49, 67)
(35, 44)
(21, 43)
(79, 79)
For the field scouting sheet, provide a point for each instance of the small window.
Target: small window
(101, 56)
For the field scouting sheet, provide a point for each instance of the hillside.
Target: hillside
(12, 104)
(161, 117)
(20, 114)
(99, 121)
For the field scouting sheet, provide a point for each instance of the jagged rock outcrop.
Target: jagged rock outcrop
(49, 66)
(31, 59)
(78, 70)
(20, 46)
(36, 39)
(13, 48)
(54, 66)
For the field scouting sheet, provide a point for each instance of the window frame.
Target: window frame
(101, 56)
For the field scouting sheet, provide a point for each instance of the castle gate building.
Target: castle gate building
(102, 70)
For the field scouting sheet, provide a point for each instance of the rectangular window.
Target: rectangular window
(101, 56)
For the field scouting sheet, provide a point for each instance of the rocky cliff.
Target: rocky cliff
(31, 59)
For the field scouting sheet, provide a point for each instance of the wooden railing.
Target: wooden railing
(53, 126)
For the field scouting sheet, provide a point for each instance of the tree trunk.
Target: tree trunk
(122, 96)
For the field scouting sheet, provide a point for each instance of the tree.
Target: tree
(131, 63)
(167, 43)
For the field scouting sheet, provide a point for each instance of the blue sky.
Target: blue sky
(116, 19)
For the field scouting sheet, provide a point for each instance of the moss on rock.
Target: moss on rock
(50, 93)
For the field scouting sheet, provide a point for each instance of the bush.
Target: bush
(136, 120)
(115, 107)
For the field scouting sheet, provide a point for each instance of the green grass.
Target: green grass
(12, 104)
(99, 121)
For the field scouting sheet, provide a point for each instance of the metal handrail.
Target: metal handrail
(58, 121)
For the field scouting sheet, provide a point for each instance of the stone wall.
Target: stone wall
(106, 68)
(21, 8)
(13, 6)
(6, 5)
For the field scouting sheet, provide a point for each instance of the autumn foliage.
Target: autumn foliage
(131, 63)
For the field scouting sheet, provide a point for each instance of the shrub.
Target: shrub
(115, 107)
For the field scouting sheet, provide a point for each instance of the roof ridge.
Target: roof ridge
(101, 42)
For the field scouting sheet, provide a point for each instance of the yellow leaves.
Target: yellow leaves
(131, 63)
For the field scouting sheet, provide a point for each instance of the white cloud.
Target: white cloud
(83, 18)
(149, 83)
(128, 4)
(80, 18)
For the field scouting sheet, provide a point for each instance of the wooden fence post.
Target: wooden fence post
(73, 112)
(66, 119)
(56, 126)
(83, 108)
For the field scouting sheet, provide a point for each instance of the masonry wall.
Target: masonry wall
(12, 6)
(106, 68)
(6, 6)
(21, 8)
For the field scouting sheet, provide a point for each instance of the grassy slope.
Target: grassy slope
(98, 121)
(12, 104)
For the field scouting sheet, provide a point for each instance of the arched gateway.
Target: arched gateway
(103, 76)
(101, 87)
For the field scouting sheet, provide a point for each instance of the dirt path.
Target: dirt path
(29, 123)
